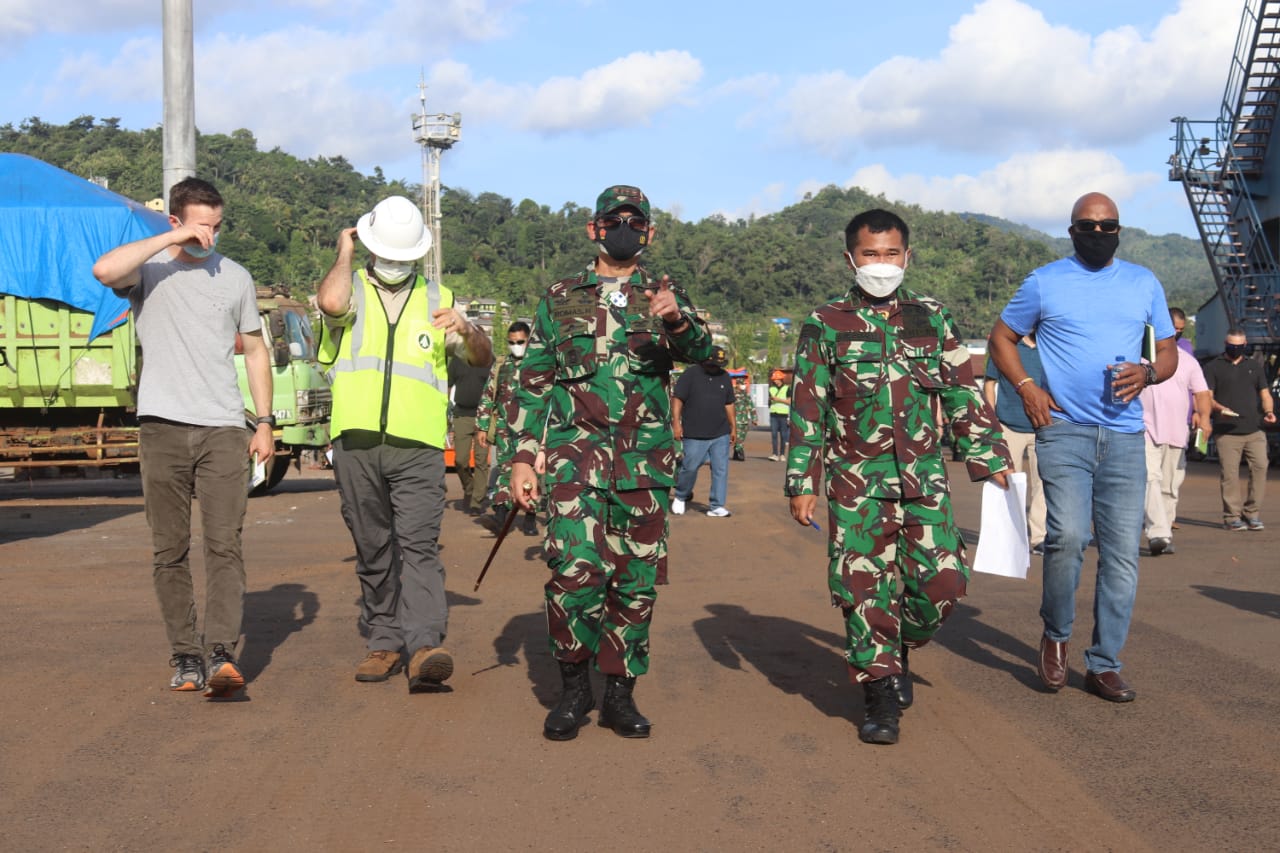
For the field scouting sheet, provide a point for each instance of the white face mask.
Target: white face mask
(879, 281)
(392, 272)
(516, 350)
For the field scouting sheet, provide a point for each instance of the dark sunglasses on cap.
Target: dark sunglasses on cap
(1106, 226)
(611, 220)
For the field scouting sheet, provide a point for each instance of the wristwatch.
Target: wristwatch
(1151, 374)
(269, 420)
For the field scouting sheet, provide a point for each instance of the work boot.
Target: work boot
(429, 668)
(575, 702)
(902, 684)
(881, 719)
(618, 711)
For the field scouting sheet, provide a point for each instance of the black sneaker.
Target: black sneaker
(188, 673)
(225, 679)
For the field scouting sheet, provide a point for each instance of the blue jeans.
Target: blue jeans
(696, 451)
(779, 432)
(1091, 474)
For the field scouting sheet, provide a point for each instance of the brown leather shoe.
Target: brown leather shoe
(379, 665)
(429, 667)
(1110, 686)
(1052, 665)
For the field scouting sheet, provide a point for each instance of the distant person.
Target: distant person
(1179, 324)
(1242, 403)
(779, 415)
(745, 411)
(1089, 313)
(387, 337)
(494, 419)
(704, 419)
(870, 371)
(1017, 431)
(190, 304)
(466, 385)
(593, 397)
(1164, 418)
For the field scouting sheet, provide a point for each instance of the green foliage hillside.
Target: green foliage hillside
(283, 216)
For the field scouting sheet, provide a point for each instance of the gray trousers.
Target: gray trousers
(393, 502)
(213, 464)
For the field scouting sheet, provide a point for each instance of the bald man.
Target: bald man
(1088, 312)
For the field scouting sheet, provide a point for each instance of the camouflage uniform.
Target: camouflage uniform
(864, 406)
(494, 416)
(745, 412)
(596, 378)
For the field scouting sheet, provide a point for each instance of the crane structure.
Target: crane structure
(1230, 171)
(436, 133)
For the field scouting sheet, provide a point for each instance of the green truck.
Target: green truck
(69, 401)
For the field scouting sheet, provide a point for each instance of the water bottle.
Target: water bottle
(1115, 374)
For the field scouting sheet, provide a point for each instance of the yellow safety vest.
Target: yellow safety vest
(776, 406)
(390, 379)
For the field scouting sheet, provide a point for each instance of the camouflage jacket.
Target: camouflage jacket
(865, 401)
(497, 408)
(595, 378)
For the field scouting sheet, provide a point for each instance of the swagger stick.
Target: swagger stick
(502, 534)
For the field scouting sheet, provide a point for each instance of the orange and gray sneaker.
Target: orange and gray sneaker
(188, 673)
(379, 665)
(429, 667)
(225, 679)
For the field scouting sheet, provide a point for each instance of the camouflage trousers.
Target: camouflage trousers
(873, 544)
(603, 549)
(503, 453)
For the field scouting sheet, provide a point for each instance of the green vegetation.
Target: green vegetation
(284, 214)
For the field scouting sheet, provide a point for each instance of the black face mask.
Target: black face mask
(622, 243)
(1095, 248)
(1234, 351)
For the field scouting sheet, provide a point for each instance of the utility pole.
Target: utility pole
(436, 133)
(179, 134)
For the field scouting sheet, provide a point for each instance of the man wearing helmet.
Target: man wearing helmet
(387, 339)
(594, 382)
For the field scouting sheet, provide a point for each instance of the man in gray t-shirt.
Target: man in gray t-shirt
(189, 305)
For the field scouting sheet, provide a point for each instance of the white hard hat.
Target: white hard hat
(394, 230)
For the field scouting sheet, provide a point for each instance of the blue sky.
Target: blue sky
(1007, 107)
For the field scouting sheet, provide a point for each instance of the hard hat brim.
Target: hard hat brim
(364, 231)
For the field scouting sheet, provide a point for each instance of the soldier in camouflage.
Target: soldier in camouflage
(870, 370)
(594, 384)
(494, 417)
(745, 412)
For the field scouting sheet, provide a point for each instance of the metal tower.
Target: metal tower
(436, 133)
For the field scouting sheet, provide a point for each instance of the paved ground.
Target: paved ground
(754, 743)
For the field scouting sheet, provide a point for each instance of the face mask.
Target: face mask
(1234, 351)
(1095, 248)
(879, 281)
(517, 350)
(200, 252)
(392, 272)
(622, 243)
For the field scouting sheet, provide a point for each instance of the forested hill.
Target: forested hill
(283, 215)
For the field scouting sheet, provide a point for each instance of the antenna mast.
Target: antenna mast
(436, 133)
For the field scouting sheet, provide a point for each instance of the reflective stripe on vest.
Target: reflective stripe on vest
(777, 407)
(415, 406)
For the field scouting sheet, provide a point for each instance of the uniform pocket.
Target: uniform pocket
(575, 358)
(925, 364)
(856, 369)
(645, 353)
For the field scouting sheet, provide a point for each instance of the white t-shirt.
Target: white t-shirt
(187, 317)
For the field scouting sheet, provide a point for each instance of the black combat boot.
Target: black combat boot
(530, 524)
(902, 684)
(618, 711)
(881, 719)
(576, 700)
(500, 516)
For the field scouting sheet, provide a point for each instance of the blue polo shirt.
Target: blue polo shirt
(1083, 320)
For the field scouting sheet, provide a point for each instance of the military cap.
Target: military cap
(621, 196)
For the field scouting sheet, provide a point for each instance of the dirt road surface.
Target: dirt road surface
(754, 744)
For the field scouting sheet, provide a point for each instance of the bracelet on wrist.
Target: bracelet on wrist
(1023, 381)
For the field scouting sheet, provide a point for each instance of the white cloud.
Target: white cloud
(1035, 188)
(1008, 77)
(627, 92)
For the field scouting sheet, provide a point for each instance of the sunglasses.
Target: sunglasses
(611, 221)
(1106, 226)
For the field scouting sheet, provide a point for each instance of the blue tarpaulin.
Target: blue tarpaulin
(54, 225)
